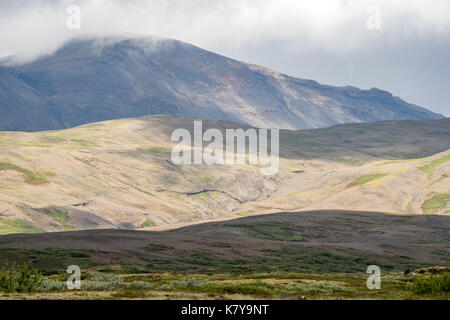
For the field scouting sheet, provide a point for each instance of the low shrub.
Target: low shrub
(111, 282)
(184, 284)
(319, 287)
(52, 285)
(103, 277)
(20, 279)
(138, 285)
(431, 284)
(95, 286)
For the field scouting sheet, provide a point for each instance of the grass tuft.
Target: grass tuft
(365, 179)
(429, 167)
(11, 226)
(30, 176)
(436, 203)
(148, 224)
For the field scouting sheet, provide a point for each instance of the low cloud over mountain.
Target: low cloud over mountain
(111, 78)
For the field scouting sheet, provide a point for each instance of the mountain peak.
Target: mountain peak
(97, 79)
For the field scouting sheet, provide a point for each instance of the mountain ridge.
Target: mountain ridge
(104, 79)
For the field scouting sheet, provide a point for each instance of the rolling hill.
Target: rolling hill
(118, 174)
(310, 241)
(112, 78)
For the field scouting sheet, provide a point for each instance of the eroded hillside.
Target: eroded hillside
(118, 174)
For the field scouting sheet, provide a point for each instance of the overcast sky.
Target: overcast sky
(399, 46)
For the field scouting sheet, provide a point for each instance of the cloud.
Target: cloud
(31, 28)
(271, 32)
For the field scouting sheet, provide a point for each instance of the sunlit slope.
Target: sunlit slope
(118, 174)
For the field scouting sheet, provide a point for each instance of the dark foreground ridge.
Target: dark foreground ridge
(313, 241)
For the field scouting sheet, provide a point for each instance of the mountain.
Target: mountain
(101, 79)
(118, 174)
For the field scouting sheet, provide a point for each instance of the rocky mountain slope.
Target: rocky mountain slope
(102, 79)
(118, 174)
